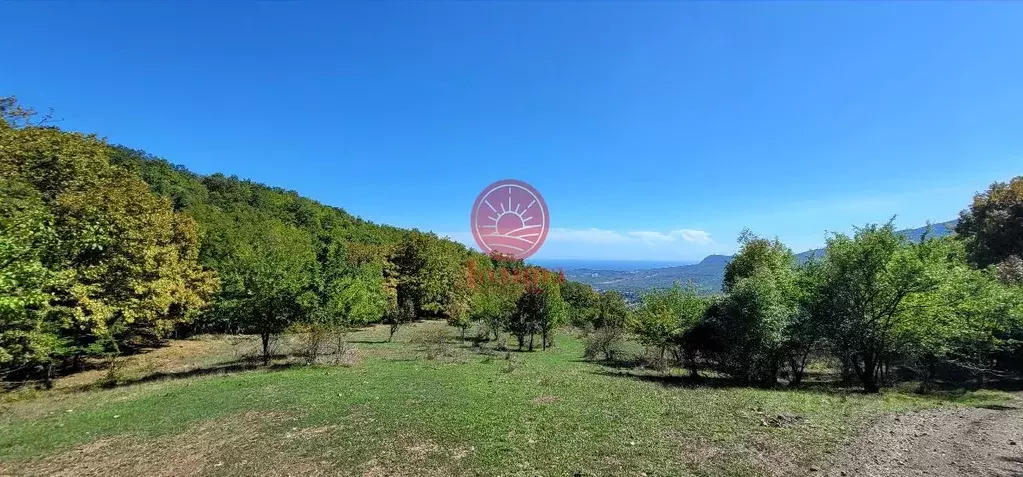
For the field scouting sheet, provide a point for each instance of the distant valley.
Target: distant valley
(706, 275)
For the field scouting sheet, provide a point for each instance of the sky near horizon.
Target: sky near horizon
(655, 131)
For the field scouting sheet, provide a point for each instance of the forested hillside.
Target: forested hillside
(107, 249)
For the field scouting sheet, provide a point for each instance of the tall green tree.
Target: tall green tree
(26, 338)
(612, 311)
(554, 311)
(123, 264)
(539, 310)
(351, 289)
(266, 273)
(666, 315)
(961, 320)
(493, 305)
(760, 304)
(868, 284)
(992, 227)
(429, 272)
(583, 302)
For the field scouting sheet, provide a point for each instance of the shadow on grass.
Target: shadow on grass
(632, 363)
(832, 387)
(230, 367)
(628, 371)
(999, 407)
(673, 380)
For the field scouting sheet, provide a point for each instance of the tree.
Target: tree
(553, 313)
(612, 311)
(805, 332)
(124, 265)
(350, 290)
(493, 305)
(665, 317)
(867, 282)
(524, 321)
(457, 306)
(430, 273)
(405, 314)
(26, 339)
(756, 255)
(539, 309)
(758, 308)
(266, 277)
(583, 302)
(992, 227)
(754, 317)
(959, 322)
(351, 287)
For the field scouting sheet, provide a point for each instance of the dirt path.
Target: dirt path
(942, 442)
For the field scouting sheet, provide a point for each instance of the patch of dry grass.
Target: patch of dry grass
(197, 451)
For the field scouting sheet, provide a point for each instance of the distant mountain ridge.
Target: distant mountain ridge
(707, 275)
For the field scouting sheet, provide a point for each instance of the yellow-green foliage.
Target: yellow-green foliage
(119, 262)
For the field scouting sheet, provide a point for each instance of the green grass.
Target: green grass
(541, 413)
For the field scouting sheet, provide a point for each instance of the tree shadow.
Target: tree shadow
(632, 363)
(1006, 384)
(999, 407)
(829, 388)
(230, 367)
(673, 380)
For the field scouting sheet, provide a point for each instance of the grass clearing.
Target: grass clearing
(467, 412)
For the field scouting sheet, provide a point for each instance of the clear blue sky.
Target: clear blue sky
(636, 121)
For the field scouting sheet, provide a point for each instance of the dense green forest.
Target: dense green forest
(106, 250)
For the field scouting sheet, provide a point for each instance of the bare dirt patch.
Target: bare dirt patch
(545, 400)
(407, 454)
(939, 442)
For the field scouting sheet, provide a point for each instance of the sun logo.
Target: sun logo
(510, 217)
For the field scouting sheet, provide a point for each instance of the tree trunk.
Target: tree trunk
(797, 368)
(48, 381)
(394, 328)
(531, 335)
(265, 338)
(522, 341)
(544, 336)
(868, 374)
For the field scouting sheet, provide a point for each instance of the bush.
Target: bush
(656, 359)
(345, 353)
(604, 342)
(434, 343)
(313, 339)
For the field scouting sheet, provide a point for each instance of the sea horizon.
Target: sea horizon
(598, 264)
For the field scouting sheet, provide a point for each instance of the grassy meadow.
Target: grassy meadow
(415, 408)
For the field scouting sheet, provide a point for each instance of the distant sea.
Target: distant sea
(617, 265)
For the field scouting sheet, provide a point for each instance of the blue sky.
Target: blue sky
(653, 130)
